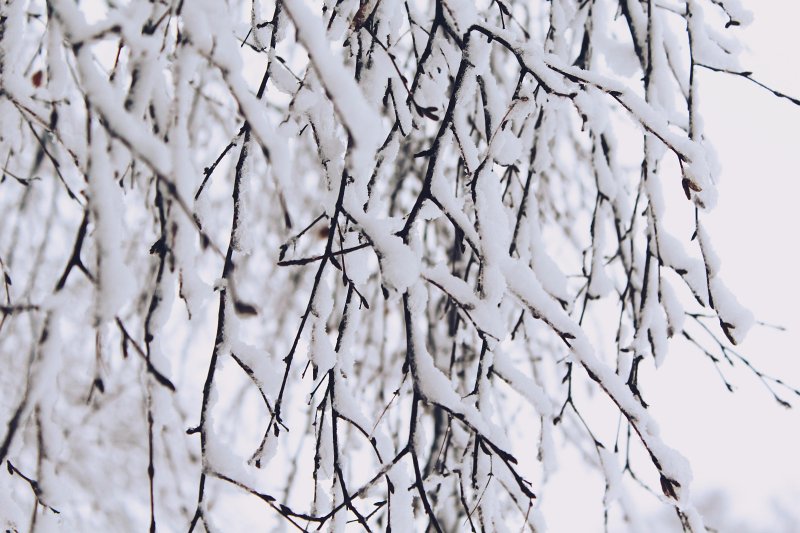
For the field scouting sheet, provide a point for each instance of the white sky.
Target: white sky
(745, 443)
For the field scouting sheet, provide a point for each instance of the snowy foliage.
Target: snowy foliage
(353, 265)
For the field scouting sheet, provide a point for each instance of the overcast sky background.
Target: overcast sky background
(743, 445)
(747, 442)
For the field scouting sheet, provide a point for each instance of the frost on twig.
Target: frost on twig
(364, 256)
